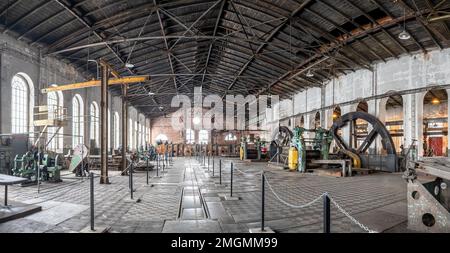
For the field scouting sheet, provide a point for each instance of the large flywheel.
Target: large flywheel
(281, 137)
(377, 129)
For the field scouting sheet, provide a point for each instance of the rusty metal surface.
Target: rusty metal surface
(439, 167)
(423, 208)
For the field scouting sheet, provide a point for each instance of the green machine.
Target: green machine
(258, 145)
(49, 167)
(298, 154)
(254, 152)
(297, 151)
(25, 166)
(322, 142)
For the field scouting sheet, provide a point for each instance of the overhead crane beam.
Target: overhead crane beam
(97, 83)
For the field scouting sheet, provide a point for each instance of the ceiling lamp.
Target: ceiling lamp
(129, 65)
(404, 35)
(310, 74)
(435, 101)
(151, 93)
(161, 108)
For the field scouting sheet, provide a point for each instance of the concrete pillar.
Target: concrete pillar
(409, 131)
(375, 110)
(346, 130)
(419, 121)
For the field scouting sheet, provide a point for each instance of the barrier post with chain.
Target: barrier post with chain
(147, 169)
(231, 181)
(131, 180)
(91, 175)
(326, 214)
(263, 179)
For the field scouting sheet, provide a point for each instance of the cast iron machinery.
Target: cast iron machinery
(428, 194)
(388, 161)
(51, 166)
(281, 139)
(245, 152)
(33, 165)
(25, 166)
(298, 153)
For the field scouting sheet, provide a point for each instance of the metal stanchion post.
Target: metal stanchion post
(147, 170)
(38, 174)
(263, 179)
(220, 171)
(231, 181)
(157, 166)
(131, 180)
(213, 167)
(92, 200)
(326, 214)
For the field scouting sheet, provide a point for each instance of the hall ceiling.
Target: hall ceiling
(226, 46)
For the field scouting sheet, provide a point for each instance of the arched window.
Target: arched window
(20, 111)
(130, 134)
(55, 104)
(95, 123)
(116, 130)
(203, 137)
(230, 137)
(77, 120)
(190, 136)
(161, 138)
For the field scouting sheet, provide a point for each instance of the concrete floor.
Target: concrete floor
(188, 199)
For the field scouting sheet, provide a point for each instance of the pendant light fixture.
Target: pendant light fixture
(404, 35)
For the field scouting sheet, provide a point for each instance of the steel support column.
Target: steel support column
(124, 126)
(104, 125)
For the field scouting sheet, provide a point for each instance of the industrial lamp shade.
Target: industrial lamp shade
(404, 35)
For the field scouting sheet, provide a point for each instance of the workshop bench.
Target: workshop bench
(6, 180)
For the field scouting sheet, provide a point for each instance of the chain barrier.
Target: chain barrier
(56, 196)
(342, 210)
(289, 204)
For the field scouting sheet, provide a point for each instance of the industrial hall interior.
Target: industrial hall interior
(224, 116)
